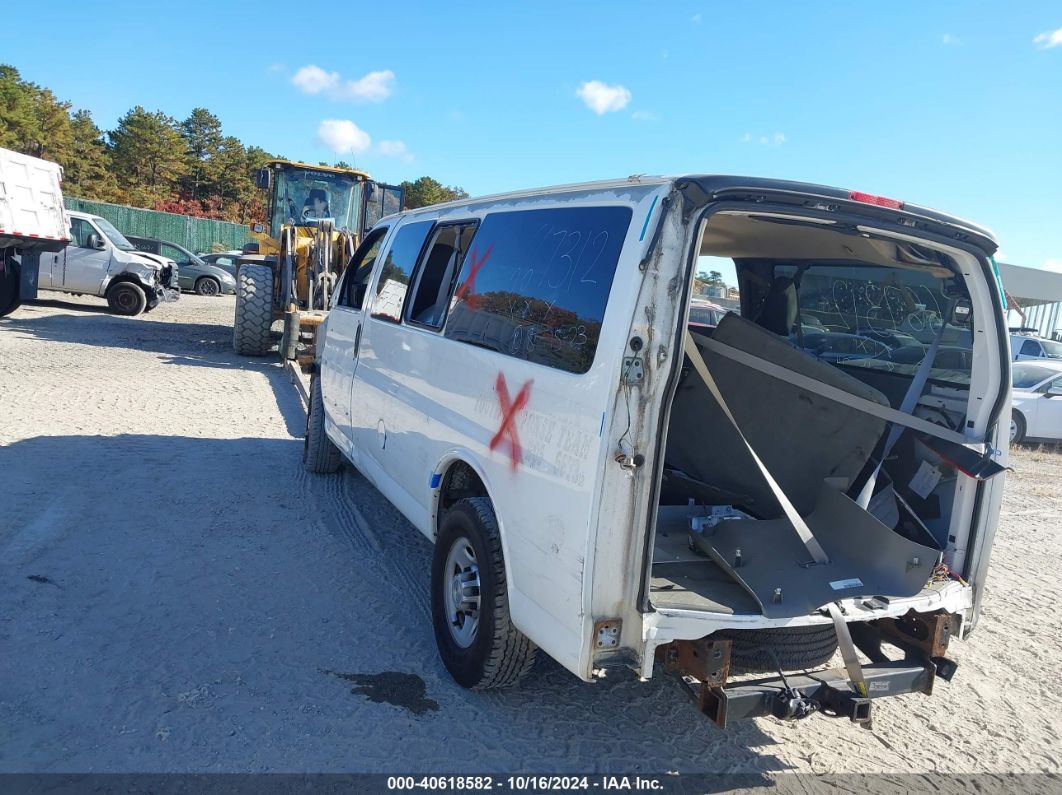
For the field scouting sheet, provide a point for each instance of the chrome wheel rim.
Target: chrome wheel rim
(461, 592)
(1013, 430)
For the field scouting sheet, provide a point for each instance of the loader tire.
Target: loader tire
(254, 311)
(319, 453)
(797, 648)
(467, 561)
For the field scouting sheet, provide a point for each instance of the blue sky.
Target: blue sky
(954, 105)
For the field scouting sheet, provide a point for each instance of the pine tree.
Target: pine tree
(87, 165)
(202, 131)
(149, 154)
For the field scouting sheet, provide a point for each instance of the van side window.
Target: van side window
(394, 276)
(435, 278)
(535, 284)
(1030, 348)
(174, 253)
(358, 272)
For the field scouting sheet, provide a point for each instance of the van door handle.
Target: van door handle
(357, 341)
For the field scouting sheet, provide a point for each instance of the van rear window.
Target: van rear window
(536, 282)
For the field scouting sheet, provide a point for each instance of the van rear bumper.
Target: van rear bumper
(830, 692)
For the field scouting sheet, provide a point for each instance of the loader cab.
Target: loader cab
(304, 195)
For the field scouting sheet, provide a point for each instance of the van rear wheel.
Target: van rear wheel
(319, 453)
(477, 641)
(126, 298)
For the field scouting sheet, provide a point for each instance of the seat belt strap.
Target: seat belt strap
(829, 392)
(907, 406)
(852, 665)
(801, 527)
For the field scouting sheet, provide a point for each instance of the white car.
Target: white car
(1036, 402)
(1025, 348)
(523, 377)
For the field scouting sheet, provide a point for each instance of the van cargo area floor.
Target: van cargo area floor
(866, 558)
(685, 579)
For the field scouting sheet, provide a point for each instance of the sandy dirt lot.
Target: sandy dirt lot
(177, 595)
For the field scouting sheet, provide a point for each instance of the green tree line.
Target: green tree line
(151, 159)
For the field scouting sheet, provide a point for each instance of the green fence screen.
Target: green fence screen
(199, 235)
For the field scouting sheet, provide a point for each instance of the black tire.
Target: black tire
(207, 285)
(10, 284)
(126, 298)
(499, 655)
(797, 648)
(1017, 427)
(254, 311)
(319, 454)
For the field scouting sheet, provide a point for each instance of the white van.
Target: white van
(100, 261)
(616, 486)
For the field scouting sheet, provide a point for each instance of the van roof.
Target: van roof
(733, 185)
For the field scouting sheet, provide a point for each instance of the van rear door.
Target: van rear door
(872, 216)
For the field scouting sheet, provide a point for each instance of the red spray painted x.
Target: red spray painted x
(509, 410)
(465, 291)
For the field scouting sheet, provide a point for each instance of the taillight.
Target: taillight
(879, 201)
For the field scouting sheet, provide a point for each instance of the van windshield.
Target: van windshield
(118, 240)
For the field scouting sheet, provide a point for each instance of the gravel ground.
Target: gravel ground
(176, 595)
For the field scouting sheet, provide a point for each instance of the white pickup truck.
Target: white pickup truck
(44, 247)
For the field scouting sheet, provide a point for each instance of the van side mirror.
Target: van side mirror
(263, 178)
(1055, 391)
(96, 242)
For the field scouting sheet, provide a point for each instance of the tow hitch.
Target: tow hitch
(703, 666)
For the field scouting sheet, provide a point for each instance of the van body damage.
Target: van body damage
(717, 551)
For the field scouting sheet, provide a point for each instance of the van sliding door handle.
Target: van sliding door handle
(357, 341)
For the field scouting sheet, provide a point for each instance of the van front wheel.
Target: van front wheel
(477, 641)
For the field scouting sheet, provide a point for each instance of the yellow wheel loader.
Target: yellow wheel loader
(317, 216)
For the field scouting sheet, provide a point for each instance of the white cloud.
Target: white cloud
(313, 80)
(373, 87)
(644, 115)
(343, 137)
(947, 38)
(395, 149)
(696, 19)
(1054, 264)
(1051, 38)
(602, 98)
(774, 139)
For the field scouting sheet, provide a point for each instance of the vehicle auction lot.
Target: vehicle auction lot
(177, 595)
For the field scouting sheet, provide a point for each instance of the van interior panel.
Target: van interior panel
(865, 558)
(686, 578)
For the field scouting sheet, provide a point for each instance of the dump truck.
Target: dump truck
(317, 216)
(32, 222)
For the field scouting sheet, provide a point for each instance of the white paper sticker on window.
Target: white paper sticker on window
(925, 480)
(843, 585)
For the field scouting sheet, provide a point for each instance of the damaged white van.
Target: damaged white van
(614, 484)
